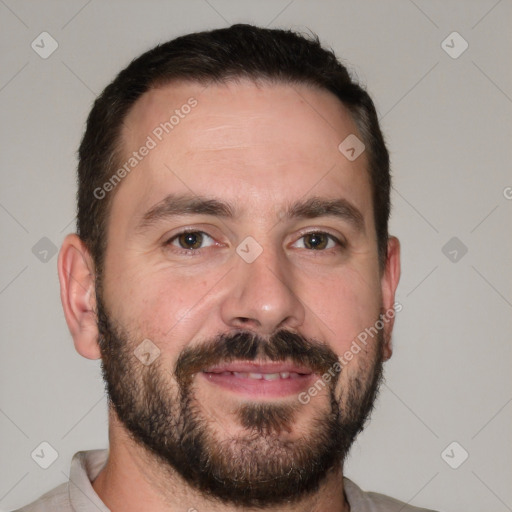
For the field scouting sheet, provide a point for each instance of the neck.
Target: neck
(134, 480)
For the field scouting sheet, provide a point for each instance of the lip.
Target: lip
(234, 378)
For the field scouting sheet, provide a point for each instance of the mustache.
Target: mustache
(248, 346)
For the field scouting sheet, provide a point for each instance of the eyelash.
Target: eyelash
(193, 252)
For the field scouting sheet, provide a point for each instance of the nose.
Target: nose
(262, 296)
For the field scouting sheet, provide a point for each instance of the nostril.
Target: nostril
(245, 322)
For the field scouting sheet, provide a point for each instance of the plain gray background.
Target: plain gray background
(448, 126)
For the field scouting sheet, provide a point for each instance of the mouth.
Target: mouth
(267, 380)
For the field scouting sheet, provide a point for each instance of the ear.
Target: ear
(78, 297)
(389, 282)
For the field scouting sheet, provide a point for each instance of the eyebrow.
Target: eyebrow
(175, 205)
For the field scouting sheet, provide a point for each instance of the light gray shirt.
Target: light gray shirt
(78, 495)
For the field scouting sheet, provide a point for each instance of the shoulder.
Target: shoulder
(361, 501)
(56, 499)
(77, 493)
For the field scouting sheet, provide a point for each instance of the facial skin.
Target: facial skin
(260, 150)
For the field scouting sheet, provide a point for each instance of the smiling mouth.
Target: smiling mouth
(268, 380)
(264, 376)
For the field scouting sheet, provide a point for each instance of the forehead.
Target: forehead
(256, 143)
(258, 111)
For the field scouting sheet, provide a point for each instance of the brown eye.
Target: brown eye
(316, 241)
(319, 241)
(190, 240)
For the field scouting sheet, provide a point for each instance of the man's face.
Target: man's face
(275, 276)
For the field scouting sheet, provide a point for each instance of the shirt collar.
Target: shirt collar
(85, 467)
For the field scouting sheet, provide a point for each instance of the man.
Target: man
(233, 271)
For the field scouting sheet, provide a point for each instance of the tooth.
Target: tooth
(284, 375)
(255, 376)
(294, 375)
(242, 375)
(271, 376)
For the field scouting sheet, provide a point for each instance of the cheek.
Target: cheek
(347, 304)
(165, 306)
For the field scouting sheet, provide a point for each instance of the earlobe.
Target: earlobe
(389, 283)
(77, 293)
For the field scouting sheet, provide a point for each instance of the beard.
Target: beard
(259, 467)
